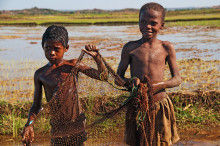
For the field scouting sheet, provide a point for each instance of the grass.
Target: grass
(184, 16)
(197, 116)
(14, 116)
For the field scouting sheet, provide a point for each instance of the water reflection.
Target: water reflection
(20, 43)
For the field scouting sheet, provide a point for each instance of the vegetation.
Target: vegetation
(36, 16)
(191, 109)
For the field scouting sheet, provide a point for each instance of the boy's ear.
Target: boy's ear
(67, 48)
(162, 25)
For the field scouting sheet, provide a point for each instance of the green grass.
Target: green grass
(197, 116)
(208, 23)
(180, 17)
(14, 117)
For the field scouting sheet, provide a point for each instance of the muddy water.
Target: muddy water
(21, 52)
(196, 138)
(24, 43)
(44, 141)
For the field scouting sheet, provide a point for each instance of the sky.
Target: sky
(100, 4)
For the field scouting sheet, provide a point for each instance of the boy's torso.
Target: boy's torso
(149, 59)
(62, 88)
(51, 77)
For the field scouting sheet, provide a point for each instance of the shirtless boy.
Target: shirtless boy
(51, 76)
(148, 56)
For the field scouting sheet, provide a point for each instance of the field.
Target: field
(210, 16)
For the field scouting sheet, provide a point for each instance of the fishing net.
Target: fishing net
(78, 94)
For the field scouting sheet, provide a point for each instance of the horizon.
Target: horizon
(107, 9)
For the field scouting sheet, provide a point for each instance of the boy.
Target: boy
(147, 57)
(67, 120)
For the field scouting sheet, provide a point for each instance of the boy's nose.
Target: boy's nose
(148, 26)
(52, 52)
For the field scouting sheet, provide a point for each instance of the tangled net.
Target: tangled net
(144, 112)
(68, 121)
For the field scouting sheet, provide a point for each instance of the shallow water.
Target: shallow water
(6, 140)
(24, 43)
(21, 53)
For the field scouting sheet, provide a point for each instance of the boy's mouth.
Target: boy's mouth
(147, 33)
(52, 59)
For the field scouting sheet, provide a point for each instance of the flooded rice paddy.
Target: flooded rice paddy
(197, 50)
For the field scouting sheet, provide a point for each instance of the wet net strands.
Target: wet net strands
(67, 120)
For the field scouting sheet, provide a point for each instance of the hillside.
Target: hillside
(40, 11)
(32, 11)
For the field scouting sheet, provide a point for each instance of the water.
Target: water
(19, 43)
(21, 52)
(6, 140)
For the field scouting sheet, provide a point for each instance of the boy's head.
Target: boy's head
(55, 43)
(154, 6)
(151, 20)
(56, 33)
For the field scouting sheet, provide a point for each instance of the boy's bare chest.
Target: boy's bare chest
(53, 79)
(148, 55)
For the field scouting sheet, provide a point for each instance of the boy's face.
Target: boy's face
(54, 51)
(150, 22)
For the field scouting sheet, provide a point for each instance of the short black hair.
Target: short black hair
(56, 33)
(154, 6)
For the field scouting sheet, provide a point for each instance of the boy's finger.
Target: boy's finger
(85, 51)
(95, 48)
(88, 52)
(88, 47)
(32, 137)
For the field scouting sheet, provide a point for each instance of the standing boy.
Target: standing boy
(148, 56)
(67, 120)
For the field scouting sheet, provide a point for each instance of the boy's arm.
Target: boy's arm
(28, 132)
(176, 78)
(91, 72)
(123, 65)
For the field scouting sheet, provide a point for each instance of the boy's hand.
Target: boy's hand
(135, 81)
(28, 135)
(91, 50)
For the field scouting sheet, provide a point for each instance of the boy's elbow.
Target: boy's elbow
(179, 80)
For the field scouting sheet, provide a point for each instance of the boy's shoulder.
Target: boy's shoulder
(71, 62)
(43, 69)
(131, 45)
(167, 45)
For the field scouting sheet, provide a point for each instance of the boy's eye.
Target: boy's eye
(47, 48)
(143, 21)
(56, 48)
(153, 23)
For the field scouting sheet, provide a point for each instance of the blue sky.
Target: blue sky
(100, 4)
